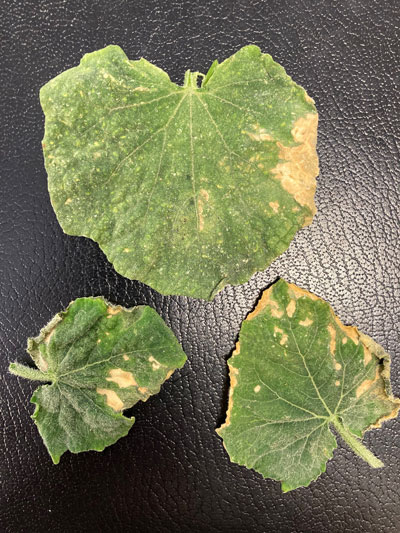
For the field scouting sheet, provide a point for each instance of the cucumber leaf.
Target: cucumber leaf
(99, 360)
(296, 373)
(185, 188)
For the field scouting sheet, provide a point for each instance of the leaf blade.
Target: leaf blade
(100, 359)
(184, 188)
(299, 368)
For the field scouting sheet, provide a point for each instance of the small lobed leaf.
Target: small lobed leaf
(296, 373)
(186, 188)
(99, 360)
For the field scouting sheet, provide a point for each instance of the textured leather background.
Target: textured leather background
(171, 472)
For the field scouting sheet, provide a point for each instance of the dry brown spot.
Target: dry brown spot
(299, 164)
(291, 308)
(274, 206)
(257, 388)
(203, 196)
(98, 341)
(344, 340)
(113, 310)
(338, 366)
(96, 155)
(122, 378)
(332, 342)
(126, 358)
(143, 390)
(107, 333)
(337, 383)
(68, 201)
(367, 384)
(113, 400)
(233, 372)
(141, 89)
(262, 304)
(306, 322)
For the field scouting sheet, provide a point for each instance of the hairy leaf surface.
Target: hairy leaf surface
(99, 359)
(184, 188)
(296, 373)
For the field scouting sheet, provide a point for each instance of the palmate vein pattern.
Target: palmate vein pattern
(99, 360)
(184, 188)
(297, 371)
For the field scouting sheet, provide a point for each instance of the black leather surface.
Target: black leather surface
(171, 472)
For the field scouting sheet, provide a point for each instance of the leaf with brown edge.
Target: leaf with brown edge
(296, 373)
(99, 359)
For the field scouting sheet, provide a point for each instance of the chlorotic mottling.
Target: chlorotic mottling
(185, 188)
(297, 372)
(99, 360)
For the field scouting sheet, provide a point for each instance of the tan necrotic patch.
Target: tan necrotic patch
(112, 399)
(265, 301)
(154, 363)
(113, 310)
(367, 384)
(122, 378)
(298, 166)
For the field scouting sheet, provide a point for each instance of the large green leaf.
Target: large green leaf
(298, 371)
(100, 359)
(184, 188)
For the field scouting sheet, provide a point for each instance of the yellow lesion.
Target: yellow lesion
(274, 206)
(291, 308)
(112, 399)
(306, 322)
(258, 133)
(332, 341)
(203, 197)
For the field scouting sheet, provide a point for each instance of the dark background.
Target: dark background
(171, 472)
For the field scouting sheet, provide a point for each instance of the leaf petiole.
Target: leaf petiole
(356, 445)
(29, 373)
